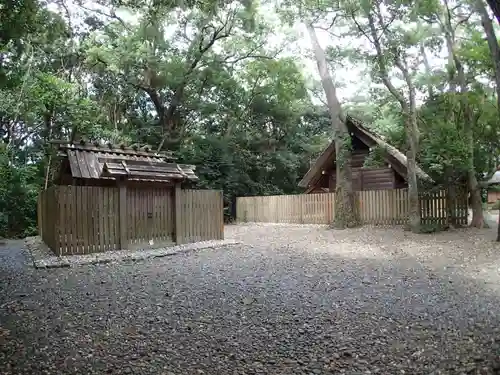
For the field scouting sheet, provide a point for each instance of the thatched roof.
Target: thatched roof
(393, 156)
(111, 162)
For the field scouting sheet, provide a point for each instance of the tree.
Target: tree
(168, 72)
(346, 210)
(373, 20)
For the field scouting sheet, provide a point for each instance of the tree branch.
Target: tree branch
(383, 69)
(111, 15)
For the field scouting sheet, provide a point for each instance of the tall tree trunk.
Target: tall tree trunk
(408, 107)
(494, 49)
(492, 44)
(346, 205)
(428, 69)
(472, 183)
(495, 7)
(411, 156)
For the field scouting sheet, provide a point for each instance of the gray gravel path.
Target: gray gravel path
(292, 300)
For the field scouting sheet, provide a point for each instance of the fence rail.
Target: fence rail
(378, 207)
(88, 219)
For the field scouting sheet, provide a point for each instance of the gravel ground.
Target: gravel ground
(290, 300)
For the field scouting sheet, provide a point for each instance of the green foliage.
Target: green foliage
(205, 79)
(18, 198)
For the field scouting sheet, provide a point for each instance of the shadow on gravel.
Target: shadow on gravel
(246, 310)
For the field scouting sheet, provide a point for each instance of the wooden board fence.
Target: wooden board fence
(89, 219)
(202, 216)
(378, 207)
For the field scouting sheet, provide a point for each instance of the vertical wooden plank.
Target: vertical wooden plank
(107, 218)
(80, 249)
(137, 215)
(84, 219)
(221, 214)
(157, 206)
(201, 207)
(144, 211)
(178, 214)
(100, 219)
(147, 221)
(185, 216)
(122, 217)
(170, 214)
(205, 204)
(193, 219)
(332, 205)
(95, 218)
(133, 216)
(385, 206)
(57, 224)
(140, 216)
(62, 220)
(207, 201)
(148, 211)
(189, 213)
(186, 210)
(161, 226)
(71, 217)
(91, 217)
(194, 209)
(116, 217)
(215, 230)
(153, 208)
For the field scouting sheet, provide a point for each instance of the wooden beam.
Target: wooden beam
(179, 235)
(123, 215)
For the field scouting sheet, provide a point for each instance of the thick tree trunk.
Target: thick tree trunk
(492, 43)
(412, 135)
(495, 7)
(472, 183)
(494, 52)
(408, 107)
(346, 205)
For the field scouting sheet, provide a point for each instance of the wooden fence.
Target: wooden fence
(88, 219)
(378, 207)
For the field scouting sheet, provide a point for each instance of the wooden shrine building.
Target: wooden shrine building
(321, 177)
(108, 197)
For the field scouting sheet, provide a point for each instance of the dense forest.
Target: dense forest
(221, 84)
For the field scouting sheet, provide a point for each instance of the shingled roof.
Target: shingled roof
(107, 161)
(393, 156)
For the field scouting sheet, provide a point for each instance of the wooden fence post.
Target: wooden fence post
(177, 214)
(122, 216)
(301, 200)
